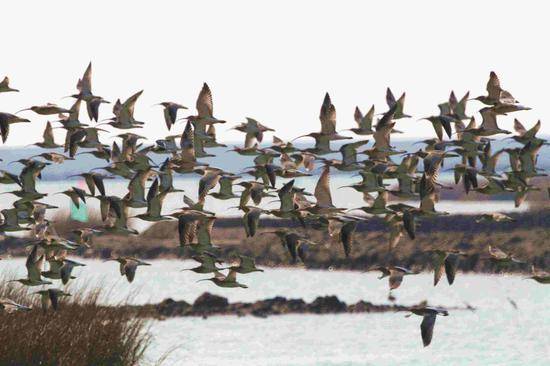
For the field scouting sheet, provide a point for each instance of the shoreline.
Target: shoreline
(208, 304)
(527, 238)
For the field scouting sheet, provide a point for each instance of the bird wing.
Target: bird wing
(130, 270)
(427, 328)
(231, 276)
(438, 267)
(451, 265)
(346, 236)
(493, 86)
(366, 121)
(54, 298)
(247, 262)
(322, 189)
(349, 151)
(390, 98)
(226, 185)
(358, 117)
(34, 264)
(84, 85)
(205, 106)
(98, 182)
(395, 279)
(187, 228)
(489, 119)
(328, 116)
(533, 130)
(497, 253)
(519, 128)
(130, 103)
(48, 134)
(204, 230)
(381, 200)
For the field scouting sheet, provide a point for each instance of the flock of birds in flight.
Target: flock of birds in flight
(128, 158)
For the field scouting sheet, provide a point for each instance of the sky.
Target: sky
(275, 60)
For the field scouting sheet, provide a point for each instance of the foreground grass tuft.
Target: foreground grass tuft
(81, 332)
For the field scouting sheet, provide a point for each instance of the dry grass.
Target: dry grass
(81, 332)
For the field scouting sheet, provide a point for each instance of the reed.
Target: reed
(81, 332)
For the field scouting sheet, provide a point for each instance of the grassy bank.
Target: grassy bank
(527, 238)
(81, 332)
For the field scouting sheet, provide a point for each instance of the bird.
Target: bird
(61, 268)
(226, 188)
(7, 119)
(346, 235)
(124, 113)
(203, 118)
(46, 109)
(128, 266)
(10, 221)
(524, 135)
(495, 217)
(51, 296)
(539, 276)
(84, 87)
(399, 104)
(228, 281)
(244, 265)
(171, 112)
(76, 195)
(10, 306)
(155, 199)
(34, 264)
(254, 131)
(445, 261)
(48, 141)
(149, 169)
(495, 94)
(428, 314)
(323, 195)
(85, 236)
(207, 264)
(499, 257)
(395, 274)
(364, 122)
(5, 86)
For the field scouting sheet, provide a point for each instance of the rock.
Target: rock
(279, 305)
(209, 303)
(327, 304)
(169, 307)
(360, 307)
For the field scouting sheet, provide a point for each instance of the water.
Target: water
(495, 334)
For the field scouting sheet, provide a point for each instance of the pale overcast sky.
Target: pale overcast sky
(274, 60)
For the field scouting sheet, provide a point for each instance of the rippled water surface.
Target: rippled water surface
(495, 334)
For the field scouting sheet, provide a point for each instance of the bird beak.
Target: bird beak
(299, 137)
(22, 110)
